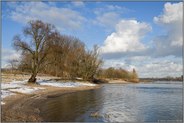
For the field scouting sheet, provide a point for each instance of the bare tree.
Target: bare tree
(93, 63)
(89, 64)
(14, 64)
(39, 34)
(134, 74)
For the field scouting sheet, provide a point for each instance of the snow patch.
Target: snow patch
(2, 103)
(11, 88)
(6, 93)
(26, 90)
(87, 84)
(14, 84)
(65, 84)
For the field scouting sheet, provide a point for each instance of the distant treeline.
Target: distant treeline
(118, 73)
(163, 79)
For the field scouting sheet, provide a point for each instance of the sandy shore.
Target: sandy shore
(22, 107)
(119, 81)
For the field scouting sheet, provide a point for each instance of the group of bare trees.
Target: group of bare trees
(69, 58)
(46, 50)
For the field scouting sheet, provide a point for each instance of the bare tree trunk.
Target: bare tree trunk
(32, 79)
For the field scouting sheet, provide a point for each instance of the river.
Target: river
(151, 102)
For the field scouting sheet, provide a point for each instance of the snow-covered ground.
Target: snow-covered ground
(64, 84)
(26, 90)
(13, 84)
(14, 87)
(5, 93)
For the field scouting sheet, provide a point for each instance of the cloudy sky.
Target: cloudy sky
(146, 36)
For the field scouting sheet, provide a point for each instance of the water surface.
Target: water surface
(118, 103)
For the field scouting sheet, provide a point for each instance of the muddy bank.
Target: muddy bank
(22, 107)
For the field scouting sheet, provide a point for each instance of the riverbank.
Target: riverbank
(22, 101)
(119, 81)
(26, 107)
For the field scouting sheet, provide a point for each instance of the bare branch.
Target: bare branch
(20, 45)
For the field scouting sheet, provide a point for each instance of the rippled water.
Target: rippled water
(118, 103)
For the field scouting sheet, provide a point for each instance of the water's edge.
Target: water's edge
(117, 103)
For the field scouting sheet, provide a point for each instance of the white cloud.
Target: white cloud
(109, 15)
(110, 19)
(160, 69)
(137, 59)
(110, 8)
(171, 21)
(172, 14)
(62, 18)
(127, 37)
(126, 40)
(78, 4)
(8, 54)
(118, 64)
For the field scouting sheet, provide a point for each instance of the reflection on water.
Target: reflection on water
(118, 103)
(73, 107)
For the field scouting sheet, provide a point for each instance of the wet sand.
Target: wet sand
(117, 82)
(26, 107)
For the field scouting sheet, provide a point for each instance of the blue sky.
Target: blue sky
(133, 8)
(128, 33)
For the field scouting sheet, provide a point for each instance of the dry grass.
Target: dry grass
(8, 77)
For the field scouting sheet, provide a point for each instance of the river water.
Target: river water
(153, 102)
